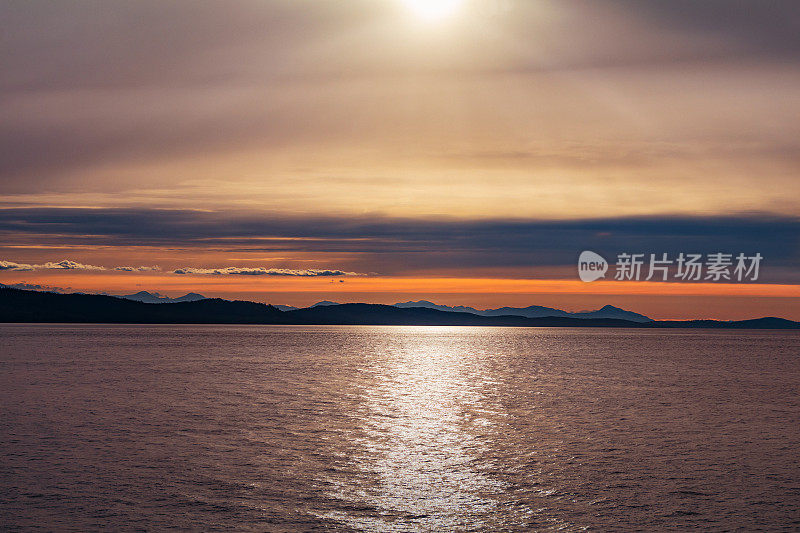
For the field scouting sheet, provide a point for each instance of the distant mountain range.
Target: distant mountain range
(155, 298)
(532, 311)
(18, 305)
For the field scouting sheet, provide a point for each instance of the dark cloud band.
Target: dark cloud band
(392, 245)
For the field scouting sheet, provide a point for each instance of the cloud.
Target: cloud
(399, 246)
(138, 269)
(762, 27)
(66, 264)
(130, 81)
(230, 230)
(261, 271)
(10, 265)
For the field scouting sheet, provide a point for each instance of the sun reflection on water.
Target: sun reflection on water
(427, 420)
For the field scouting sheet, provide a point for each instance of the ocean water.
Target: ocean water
(264, 428)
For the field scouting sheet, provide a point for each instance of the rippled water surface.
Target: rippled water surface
(397, 429)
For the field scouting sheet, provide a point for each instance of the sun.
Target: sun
(432, 10)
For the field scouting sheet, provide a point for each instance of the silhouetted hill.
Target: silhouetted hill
(375, 314)
(34, 306)
(609, 311)
(533, 311)
(325, 303)
(753, 323)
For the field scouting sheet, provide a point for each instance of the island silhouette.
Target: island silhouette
(28, 306)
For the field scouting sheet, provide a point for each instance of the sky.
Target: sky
(460, 151)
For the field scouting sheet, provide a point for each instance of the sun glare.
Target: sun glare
(432, 10)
